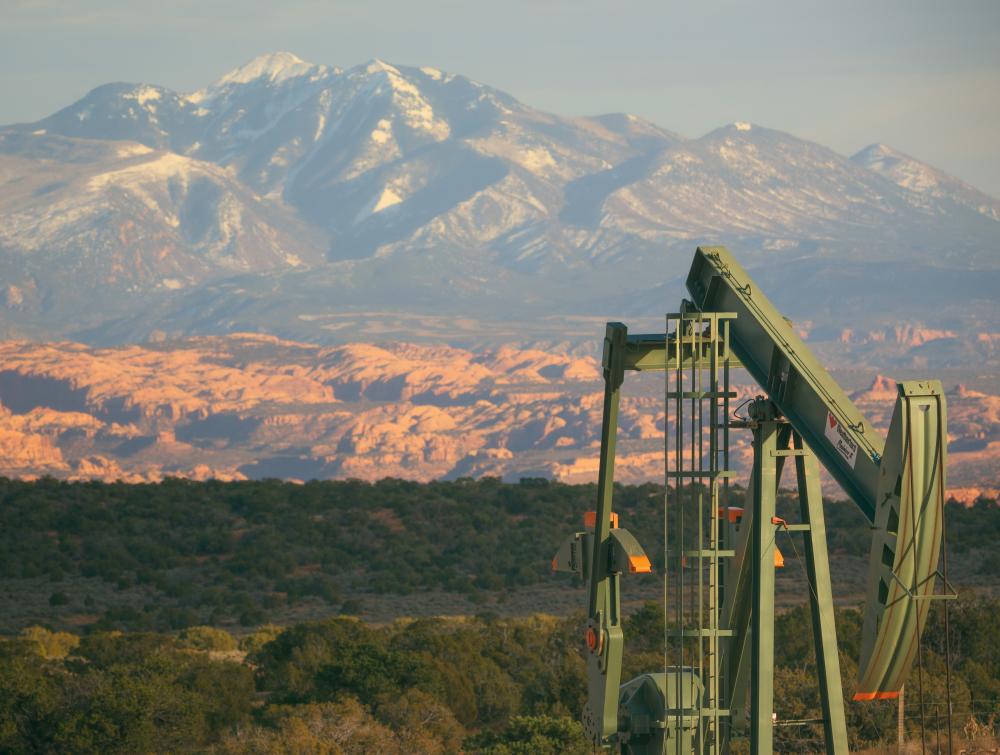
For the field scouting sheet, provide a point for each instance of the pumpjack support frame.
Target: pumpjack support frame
(724, 644)
(771, 436)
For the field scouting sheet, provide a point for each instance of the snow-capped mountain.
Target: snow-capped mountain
(286, 193)
(927, 184)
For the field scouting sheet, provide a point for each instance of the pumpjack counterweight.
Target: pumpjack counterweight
(717, 676)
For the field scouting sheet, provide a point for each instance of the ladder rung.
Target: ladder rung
(702, 394)
(695, 633)
(692, 712)
(715, 712)
(708, 553)
(718, 473)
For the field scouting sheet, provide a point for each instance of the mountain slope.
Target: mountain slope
(286, 193)
(928, 184)
(126, 221)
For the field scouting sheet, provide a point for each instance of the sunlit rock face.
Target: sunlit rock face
(250, 406)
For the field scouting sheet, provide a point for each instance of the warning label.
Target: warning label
(837, 435)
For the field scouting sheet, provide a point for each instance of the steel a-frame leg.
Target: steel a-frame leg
(821, 598)
(769, 454)
(762, 554)
(604, 661)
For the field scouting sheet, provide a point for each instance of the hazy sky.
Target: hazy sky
(921, 76)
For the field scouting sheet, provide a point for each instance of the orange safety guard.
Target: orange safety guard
(866, 696)
(639, 565)
(590, 519)
(733, 513)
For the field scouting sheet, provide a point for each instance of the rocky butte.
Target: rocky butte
(251, 406)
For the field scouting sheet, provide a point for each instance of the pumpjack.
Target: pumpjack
(719, 560)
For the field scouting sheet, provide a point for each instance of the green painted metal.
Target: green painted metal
(907, 540)
(627, 556)
(727, 653)
(738, 612)
(574, 555)
(821, 599)
(604, 656)
(765, 485)
(649, 724)
(737, 608)
(600, 557)
(884, 480)
(645, 352)
(697, 393)
(777, 358)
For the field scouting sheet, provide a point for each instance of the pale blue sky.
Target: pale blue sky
(921, 76)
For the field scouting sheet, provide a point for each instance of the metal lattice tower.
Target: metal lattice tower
(696, 458)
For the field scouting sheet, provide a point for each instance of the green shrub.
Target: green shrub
(254, 641)
(206, 638)
(533, 735)
(50, 644)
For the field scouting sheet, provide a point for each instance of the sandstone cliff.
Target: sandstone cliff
(255, 406)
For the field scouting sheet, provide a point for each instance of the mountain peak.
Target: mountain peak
(376, 65)
(273, 66)
(878, 152)
(900, 168)
(876, 148)
(739, 130)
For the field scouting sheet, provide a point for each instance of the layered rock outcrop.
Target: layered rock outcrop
(255, 406)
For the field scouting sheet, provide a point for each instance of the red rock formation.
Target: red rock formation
(250, 405)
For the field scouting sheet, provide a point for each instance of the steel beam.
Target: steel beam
(604, 657)
(821, 599)
(762, 617)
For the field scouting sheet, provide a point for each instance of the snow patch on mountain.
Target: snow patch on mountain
(902, 169)
(164, 165)
(382, 200)
(415, 111)
(535, 160)
(413, 176)
(144, 94)
(382, 132)
(274, 67)
(929, 185)
(131, 150)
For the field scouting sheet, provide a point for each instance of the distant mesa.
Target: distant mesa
(245, 406)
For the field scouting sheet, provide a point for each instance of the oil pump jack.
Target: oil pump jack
(717, 678)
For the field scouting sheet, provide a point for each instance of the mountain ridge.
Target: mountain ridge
(286, 185)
